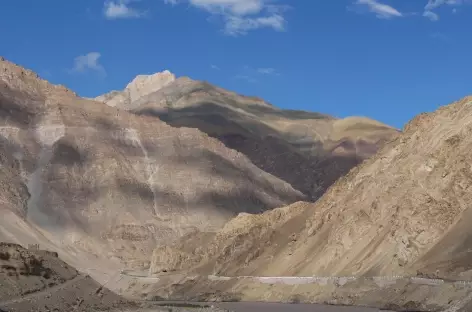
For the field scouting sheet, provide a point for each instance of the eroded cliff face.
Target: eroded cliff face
(90, 179)
(403, 212)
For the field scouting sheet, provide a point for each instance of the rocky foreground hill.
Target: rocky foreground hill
(404, 212)
(105, 185)
(37, 280)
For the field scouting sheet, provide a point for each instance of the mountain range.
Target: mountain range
(111, 182)
(178, 177)
(403, 215)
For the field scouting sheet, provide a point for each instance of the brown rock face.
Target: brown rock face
(94, 180)
(405, 211)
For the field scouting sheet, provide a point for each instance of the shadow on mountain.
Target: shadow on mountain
(245, 198)
(452, 254)
(7, 148)
(269, 153)
(221, 167)
(11, 184)
(68, 154)
(73, 181)
(106, 124)
(286, 113)
(67, 197)
(17, 108)
(184, 89)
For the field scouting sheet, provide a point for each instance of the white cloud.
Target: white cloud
(121, 9)
(431, 15)
(236, 7)
(267, 71)
(213, 66)
(246, 78)
(241, 16)
(237, 25)
(250, 74)
(440, 37)
(386, 11)
(435, 4)
(89, 61)
(381, 10)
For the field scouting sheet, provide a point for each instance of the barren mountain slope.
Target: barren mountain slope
(406, 211)
(308, 150)
(95, 180)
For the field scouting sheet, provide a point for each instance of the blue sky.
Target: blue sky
(385, 59)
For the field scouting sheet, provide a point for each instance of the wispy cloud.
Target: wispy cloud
(381, 10)
(236, 25)
(241, 16)
(385, 11)
(435, 4)
(249, 73)
(88, 62)
(212, 66)
(121, 9)
(440, 37)
(267, 71)
(431, 15)
(246, 78)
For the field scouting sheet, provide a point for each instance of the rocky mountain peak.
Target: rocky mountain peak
(140, 86)
(144, 84)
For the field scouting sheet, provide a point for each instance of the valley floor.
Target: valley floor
(280, 307)
(255, 307)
